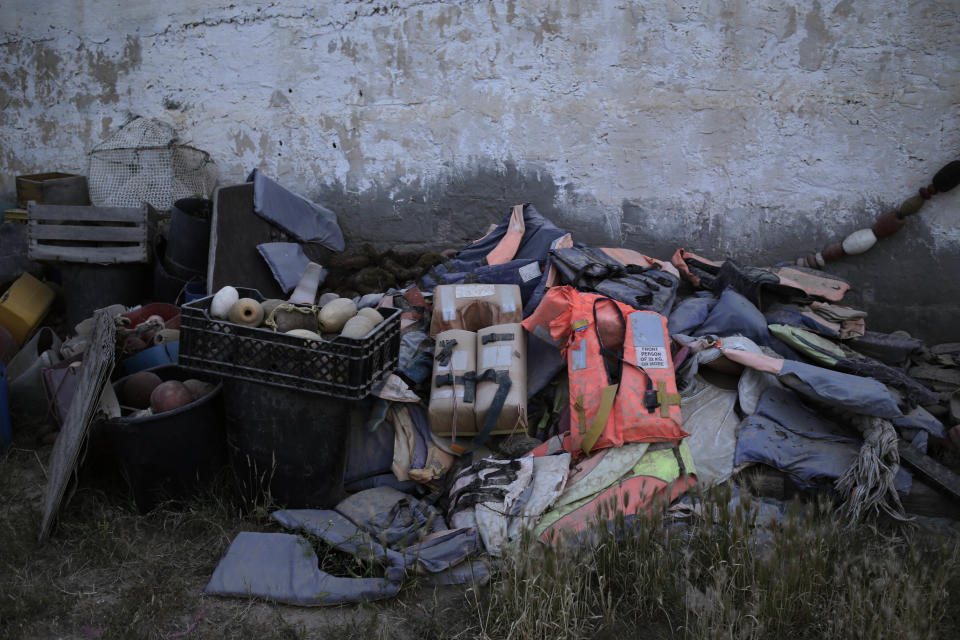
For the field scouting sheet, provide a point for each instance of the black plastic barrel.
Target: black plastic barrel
(88, 287)
(188, 241)
(286, 447)
(170, 455)
(168, 282)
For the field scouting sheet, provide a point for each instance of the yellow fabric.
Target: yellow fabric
(666, 400)
(607, 396)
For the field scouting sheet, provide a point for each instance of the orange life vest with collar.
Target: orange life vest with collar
(619, 393)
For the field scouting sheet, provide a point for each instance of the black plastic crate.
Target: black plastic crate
(341, 367)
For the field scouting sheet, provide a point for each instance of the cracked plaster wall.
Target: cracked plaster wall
(757, 129)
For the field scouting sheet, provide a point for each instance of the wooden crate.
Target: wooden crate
(101, 235)
(52, 188)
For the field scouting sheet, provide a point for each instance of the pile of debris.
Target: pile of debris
(430, 410)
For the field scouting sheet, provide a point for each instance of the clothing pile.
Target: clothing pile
(544, 386)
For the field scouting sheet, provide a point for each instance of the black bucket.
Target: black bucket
(170, 455)
(286, 447)
(88, 287)
(188, 242)
(168, 282)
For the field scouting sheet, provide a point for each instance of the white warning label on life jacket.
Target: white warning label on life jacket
(496, 357)
(578, 356)
(475, 290)
(441, 394)
(458, 362)
(529, 271)
(649, 341)
(652, 357)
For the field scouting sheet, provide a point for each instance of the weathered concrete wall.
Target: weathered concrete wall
(758, 129)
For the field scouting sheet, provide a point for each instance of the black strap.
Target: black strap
(446, 351)
(682, 467)
(502, 378)
(448, 380)
(650, 394)
(467, 381)
(496, 337)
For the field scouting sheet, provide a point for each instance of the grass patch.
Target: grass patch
(808, 577)
(109, 572)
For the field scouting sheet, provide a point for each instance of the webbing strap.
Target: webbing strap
(502, 378)
(680, 466)
(666, 400)
(446, 351)
(581, 415)
(447, 379)
(649, 397)
(607, 397)
(496, 337)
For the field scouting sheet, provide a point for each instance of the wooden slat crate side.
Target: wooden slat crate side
(55, 224)
(104, 255)
(37, 231)
(74, 213)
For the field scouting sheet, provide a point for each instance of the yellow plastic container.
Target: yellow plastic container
(15, 215)
(24, 305)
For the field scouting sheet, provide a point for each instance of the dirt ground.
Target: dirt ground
(109, 572)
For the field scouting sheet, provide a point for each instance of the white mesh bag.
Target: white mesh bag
(143, 161)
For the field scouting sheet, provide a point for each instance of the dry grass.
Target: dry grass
(111, 573)
(806, 578)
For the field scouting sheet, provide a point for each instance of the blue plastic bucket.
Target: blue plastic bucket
(194, 291)
(158, 355)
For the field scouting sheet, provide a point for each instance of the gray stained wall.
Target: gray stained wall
(757, 129)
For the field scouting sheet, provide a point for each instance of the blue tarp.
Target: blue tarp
(287, 262)
(305, 220)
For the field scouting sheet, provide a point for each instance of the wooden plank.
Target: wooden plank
(924, 500)
(72, 213)
(932, 471)
(94, 375)
(79, 233)
(99, 255)
(235, 232)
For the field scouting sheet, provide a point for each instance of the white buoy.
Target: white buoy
(859, 242)
(222, 301)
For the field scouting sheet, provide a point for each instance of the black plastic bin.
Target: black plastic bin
(170, 455)
(189, 238)
(88, 287)
(340, 367)
(286, 447)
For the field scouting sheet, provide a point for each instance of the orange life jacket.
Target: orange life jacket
(616, 396)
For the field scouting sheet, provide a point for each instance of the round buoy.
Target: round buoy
(246, 311)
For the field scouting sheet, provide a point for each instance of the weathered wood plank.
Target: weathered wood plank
(75, 213)
(94, 375)
(75, 232)
(932, 471)
(235, 232)
(99, 255)
(924, 500)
